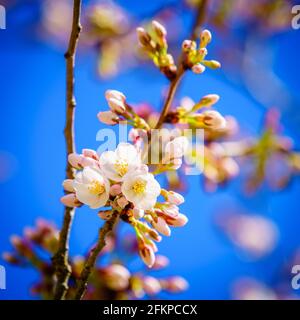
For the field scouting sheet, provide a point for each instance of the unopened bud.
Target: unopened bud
(179, 221)
(208, 100)
(114, 94)
(214, 120)
(151, 285)
(161, 226)
(122, 202)
(115, 190)
(188, 45)
(213, 64)
(177, 284)
(205, 38)
(108, 117)
(175, 198)
(143, 36)
(68, 185)
(198, 68)
(160, 262)
(90, 154)
(159, 29)
(147, 255)
(70, 200)
(117, 277)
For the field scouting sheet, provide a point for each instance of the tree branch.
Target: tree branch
(60, 259)
(91, 260)
(199, 20)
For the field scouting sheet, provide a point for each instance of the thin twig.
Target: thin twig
(60, 259)
(199, 20)
(92, 258)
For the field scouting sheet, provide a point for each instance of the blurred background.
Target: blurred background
(236, 245)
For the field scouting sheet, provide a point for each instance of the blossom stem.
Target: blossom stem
(199, 20)
(92, 258)
(60, 259)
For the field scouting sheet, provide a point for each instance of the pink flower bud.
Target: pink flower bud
(143, 36)
(160, 262)
(205, 38)
(147, 255)
(88, 162)
(15, 240)
(214, 120)
(117, 277)
(108, 117)
(177, 284)
(162, 227)
(117, 106)
(202, 52)
(68, 185)
(209, 100)
(70, 200)
(170, 210)
(151, 285)
(179, 221)
(29, 233)
(105, 214)
(159, 29)
(75, 160)
(90, 154)
(122, 202)
(79, 161)
(138, 213)
(114, 94)
(115, 190)
(153, 246)
(153, 234)
(11, 258)
(176, 148)
(175, 198)
(198, 68)
(188, 45)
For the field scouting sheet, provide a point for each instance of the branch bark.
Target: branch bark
(91, 260)
(199, 20)
(61, 258)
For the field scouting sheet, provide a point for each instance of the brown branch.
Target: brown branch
(199, 20)
(92, 258)
(60, 259)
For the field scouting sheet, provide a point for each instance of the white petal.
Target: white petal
(126, 151)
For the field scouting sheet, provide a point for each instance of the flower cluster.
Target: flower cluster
(120, 111)
(194, 57)
(188, 113)
(119, 181)
(154, 43)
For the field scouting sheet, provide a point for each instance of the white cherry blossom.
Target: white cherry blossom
(141, 189)
(91, 188)
(116, 164)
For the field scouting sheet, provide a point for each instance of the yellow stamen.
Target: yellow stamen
(121, 167)
(139, 187)
(96, 188)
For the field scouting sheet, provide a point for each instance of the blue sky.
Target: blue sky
(32, 112)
